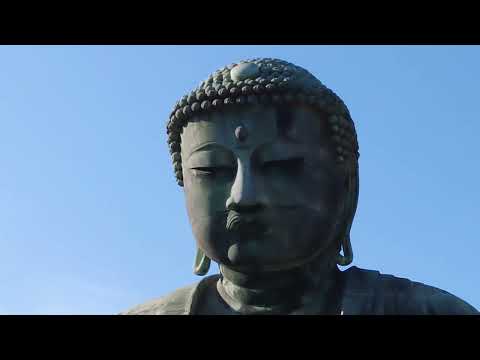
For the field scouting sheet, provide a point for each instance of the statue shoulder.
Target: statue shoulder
(178, 302)
(388, 294)
(435, 301)
(170, 304)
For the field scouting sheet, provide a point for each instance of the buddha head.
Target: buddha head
(268, 160)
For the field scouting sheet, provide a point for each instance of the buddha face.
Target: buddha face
(262, 189)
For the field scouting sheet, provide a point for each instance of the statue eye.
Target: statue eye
(212, 171)
(205, 171)
(290, 166)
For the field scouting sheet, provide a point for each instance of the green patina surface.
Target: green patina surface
(268, 159)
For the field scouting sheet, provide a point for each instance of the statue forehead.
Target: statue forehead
(258, 125)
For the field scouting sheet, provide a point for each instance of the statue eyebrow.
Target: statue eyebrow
(208, 146)
(279, 151)
(284, 120)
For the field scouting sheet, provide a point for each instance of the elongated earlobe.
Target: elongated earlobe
(347, 257)
(201, 264)
(351, 207)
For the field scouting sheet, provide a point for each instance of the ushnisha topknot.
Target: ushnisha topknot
(263, 81)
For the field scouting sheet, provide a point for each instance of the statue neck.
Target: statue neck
(279, 292)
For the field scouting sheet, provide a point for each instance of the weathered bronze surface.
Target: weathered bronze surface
(268, 159)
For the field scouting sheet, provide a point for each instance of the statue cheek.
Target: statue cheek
(307, 232)
(204, 201)
(211, 235)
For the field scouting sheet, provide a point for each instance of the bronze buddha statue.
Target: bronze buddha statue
(268, 159)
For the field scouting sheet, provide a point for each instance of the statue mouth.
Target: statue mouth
(245, 224)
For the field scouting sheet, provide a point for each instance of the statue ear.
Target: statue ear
(347, 257)
(201, 264)
(350, 208)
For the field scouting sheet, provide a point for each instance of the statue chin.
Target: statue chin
(247, 257)
(237, 255)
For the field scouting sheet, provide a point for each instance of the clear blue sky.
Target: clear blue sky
(92, 221)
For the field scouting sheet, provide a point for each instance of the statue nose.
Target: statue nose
(243, 194)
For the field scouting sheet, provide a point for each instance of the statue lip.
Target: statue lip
(245, 223)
